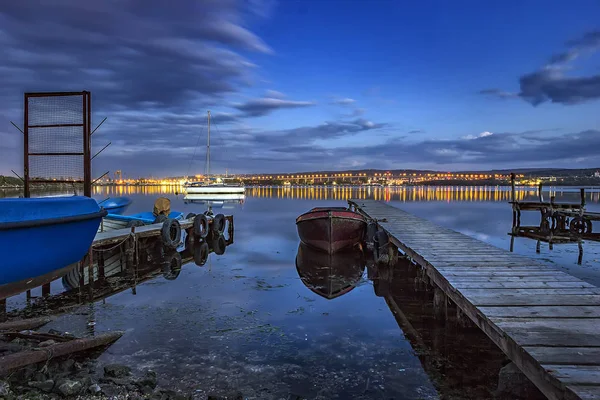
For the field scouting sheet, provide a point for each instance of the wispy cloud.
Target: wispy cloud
(265, 105)
(551, 82)
(344, 102)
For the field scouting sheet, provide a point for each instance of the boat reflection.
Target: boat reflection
(115, 272)
(330, 275)
(218, 201)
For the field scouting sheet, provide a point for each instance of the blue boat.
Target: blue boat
(116, 205)
(39, 236)
(116, 221)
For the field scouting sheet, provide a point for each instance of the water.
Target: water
(246, 320)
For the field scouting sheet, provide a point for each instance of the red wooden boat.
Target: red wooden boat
(331, 229)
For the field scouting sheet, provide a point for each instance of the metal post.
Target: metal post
(26, 146)
(87, 149)
(208, 148)
(512, 184)
(46, 290)
(2, 310)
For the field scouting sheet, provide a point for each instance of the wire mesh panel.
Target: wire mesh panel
(57, 139)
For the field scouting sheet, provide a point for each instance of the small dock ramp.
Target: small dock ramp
(545, 320)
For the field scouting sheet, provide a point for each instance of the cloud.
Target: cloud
(357, 112)
(481, 135)
(240, 149)
(415, 131)
(344, 102)
(550, 82)
(274, 94)
(263, 106)
(152, 68)
(291, 151)
(127, 55)
(547, 85)
(498, 93)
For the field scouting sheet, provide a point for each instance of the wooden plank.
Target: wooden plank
(532, 292)
(542, 312)
(565, 355)
(521, 285)
(506, 273)
(492, 269)
(585, 392)
(478, 264)
(583, 326)
(458, 279)
(575, 374)
(538, 300)
(550, 337)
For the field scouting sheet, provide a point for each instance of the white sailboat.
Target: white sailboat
(215, 186)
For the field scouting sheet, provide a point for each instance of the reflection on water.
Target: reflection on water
(305, 354)
(410, 193)
(459, 358)
(330, 275)
(113, 272)
(392, 193)
(273, 321)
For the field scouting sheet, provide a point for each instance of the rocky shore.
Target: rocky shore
(81, 376)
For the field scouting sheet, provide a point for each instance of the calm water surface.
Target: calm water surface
(246, 321)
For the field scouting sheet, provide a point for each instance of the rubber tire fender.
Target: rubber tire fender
(219, 245)
(201, 225)
(201, 252)
(218, 223)
(171, 233)
(172, 266)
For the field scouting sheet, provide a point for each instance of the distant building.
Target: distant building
(597, 174)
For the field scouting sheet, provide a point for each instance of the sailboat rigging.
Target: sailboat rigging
(212, 185)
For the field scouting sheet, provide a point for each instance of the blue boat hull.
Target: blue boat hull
(39, 236)
(116, 205)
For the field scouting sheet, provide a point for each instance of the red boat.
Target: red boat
(331, 228)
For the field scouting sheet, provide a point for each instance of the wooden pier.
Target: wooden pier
(546, 321)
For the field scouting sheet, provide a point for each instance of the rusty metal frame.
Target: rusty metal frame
(86, 98)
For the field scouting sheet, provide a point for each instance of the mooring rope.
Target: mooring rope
(115, 246)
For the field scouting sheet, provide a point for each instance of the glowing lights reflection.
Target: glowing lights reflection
(386, 193)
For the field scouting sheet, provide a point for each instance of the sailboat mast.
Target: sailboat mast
(208, 148)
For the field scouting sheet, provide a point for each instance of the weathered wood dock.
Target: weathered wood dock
(111, 237)
(546, 321)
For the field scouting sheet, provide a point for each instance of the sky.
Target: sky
(306, 85)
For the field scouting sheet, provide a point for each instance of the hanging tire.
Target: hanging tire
(218, 223)
(201, 225)
(371, 232)
(190, 216)
(135, 222)
(218, 245)
(171, 233)
(201, 252)
(578, 226)
(160, 218)
(172, 266)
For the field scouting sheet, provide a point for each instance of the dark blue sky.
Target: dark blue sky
(308, 85)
